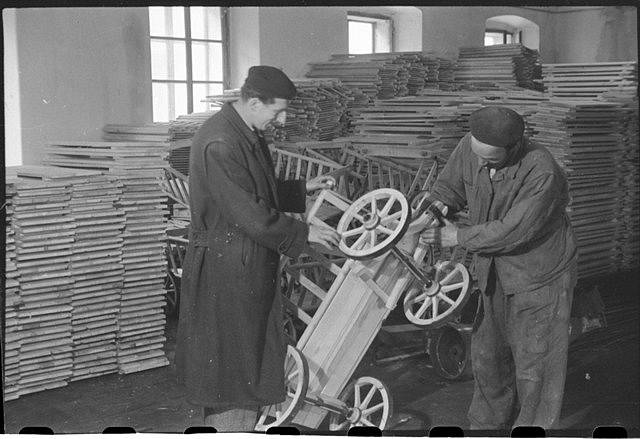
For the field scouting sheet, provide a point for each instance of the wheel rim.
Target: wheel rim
(296, 382)
(373, 223)
(443, 300)
(369, 404)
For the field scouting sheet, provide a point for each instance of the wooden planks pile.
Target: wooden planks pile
(377, 78)
(590, 80)
(11, 360)
(39, 333)
(96, 268)
(502, 65)
(584, 138)
(141, 318)
(153, 132)
(182, 131)
(116, 156)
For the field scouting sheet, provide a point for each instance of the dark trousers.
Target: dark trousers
(519, 355)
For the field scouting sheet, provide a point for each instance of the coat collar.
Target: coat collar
(234, 119)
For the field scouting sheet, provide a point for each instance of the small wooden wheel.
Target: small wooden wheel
(443, 300)
(296, 382)
(374, 223)
(369, 404)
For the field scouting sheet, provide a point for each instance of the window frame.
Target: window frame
(188, 41)
(374, 20)
(504, 34)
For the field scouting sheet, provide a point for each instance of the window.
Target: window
(369, 34)
(493, 37)
(188, 58)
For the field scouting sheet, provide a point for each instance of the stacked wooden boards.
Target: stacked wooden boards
(182, 131)
(502, 64)
(10, 331)
(584, 138)
(590, 80)
(153, 132)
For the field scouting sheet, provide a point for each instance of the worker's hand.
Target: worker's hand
(324, 235)
(321, 182)
(446, 236)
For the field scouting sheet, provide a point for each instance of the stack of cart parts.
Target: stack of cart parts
(398, 146)
(155, 132)
(584, 137)
(185, 126)
(107, 156)
(141, 318)
(376, 78)
(499, 65)
(590, 80)
(329, 150)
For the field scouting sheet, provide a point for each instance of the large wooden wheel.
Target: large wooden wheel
(296, 382)
(369, 404)
(443, 300)
(374, 223)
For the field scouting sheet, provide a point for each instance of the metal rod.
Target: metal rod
(407, 262)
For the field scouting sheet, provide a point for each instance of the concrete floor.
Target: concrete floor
(602, 389)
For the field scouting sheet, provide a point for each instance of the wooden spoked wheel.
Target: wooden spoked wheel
(369, 404)
(443, 300)
(296, 382)
(374, 223)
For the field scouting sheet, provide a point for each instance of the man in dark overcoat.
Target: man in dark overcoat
(525, 258)
(230, 350)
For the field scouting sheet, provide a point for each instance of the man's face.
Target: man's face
(269, 114)
(488, 155)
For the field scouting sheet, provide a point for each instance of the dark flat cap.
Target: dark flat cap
(270, 82)
(496, 126)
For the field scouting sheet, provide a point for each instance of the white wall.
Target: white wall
(244, 42)
(13, 130)
(80, 68)
(597, 34)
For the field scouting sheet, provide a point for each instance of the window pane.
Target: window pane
(509, 38)
(206, 23)
(360, 37)
(168, 60)
(201, 91)
(207, 61)
(169, 101)
(492, 38)
(166, 21)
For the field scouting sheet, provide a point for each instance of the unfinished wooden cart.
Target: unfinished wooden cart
(384, 259)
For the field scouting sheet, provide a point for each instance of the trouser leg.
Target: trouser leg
(540, 336)
(232, 419)
(494, 394)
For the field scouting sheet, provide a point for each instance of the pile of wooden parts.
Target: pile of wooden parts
(590, 80)
(81, 293)
(510, 65)
(584, 137)
(182, 131)
(153, 132)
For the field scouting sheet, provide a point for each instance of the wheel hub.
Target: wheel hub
(371, 221)
(432, 290)
(354, 415)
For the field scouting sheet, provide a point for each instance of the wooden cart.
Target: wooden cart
(384, 260)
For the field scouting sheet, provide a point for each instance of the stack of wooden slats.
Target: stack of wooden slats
(96, 267)
(584, 137)
(141, 318)
(502, 65)
(590, 80)
(107, 156)
(376, 78)
(182, 130)
(153, 132)
(12, 336)
(44, 233)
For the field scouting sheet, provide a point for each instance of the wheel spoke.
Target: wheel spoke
(393, 217)
(418, 298)
(387, 207)
(449, 276)
(372, 238)
(368, 398)
(359, 218)
(446, 299)
(424, 307)
(356, 245)
(372, 409)
(353, 231)
(383, 229)
(451, 287)
(374, 209)
(367, 422)
(356, 396)
(435, 309)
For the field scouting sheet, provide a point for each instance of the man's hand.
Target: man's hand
(321, 182)
(446, 236)
(324, 235)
